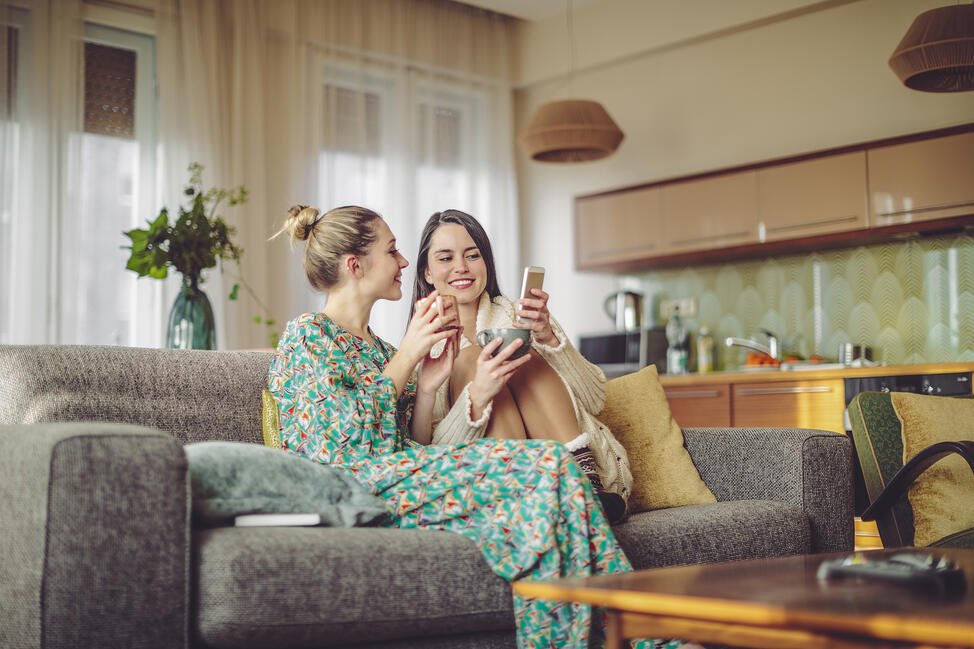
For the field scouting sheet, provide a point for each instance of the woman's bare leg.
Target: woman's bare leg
(543, 400)
(505, 418)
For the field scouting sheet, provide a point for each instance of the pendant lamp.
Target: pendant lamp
(571, 130)
(937, 52)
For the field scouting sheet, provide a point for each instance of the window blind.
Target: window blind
(109, 91)
(8, 83)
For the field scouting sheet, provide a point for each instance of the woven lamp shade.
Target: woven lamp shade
(573, 130)
(937, 52)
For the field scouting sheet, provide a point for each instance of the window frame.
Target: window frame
(145, 326)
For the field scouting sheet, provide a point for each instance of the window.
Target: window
(395, 141)
(449, 149)
(101, 302)
(68, 193)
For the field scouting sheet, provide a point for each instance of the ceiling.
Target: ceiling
(527, 9)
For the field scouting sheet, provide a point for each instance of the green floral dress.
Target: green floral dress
(525, 503)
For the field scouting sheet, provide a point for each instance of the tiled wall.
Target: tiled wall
(912, 301)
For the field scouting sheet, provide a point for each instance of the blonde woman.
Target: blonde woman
(347, 398)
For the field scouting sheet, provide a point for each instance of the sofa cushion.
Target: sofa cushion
(192, 394)
(726, 531)
(663, 475)
(270, 419)
(310, 587)
(233, 478)
(942, 497)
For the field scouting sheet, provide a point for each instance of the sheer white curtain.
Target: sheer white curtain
(67, 194)
(38, 150)
(402, 106)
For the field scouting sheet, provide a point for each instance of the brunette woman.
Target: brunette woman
(554, 396)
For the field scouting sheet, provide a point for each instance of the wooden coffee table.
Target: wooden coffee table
(771, 603)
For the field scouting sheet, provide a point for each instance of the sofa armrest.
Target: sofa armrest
(95, 528)
(808, 468)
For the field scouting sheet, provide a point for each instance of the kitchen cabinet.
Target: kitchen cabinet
(617, 227)
(792, 404)
(829, 199)
(812, 197)
(712, 212)
(700, 406)
(922, 180)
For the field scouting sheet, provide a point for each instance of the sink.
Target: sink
(758, 368)
(805, 365)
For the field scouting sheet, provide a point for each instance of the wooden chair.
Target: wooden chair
(878, 441)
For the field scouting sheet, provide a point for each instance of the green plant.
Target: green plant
(197, 240)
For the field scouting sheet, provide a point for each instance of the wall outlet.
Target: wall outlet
(688, 307)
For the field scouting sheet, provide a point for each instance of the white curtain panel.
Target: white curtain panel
(39, 130)
(66, 195)
(402, 106)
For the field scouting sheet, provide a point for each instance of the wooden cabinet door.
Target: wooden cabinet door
(791, 404)
(715, 212)
(812, 197)
(923, 180)
(700, 406)
(617, 228)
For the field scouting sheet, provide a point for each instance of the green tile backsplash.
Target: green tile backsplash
(912, 301)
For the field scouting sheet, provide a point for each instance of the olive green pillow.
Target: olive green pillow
(638, 414)
(942, 497)
(270, 421)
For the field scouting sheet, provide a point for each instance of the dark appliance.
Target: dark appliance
(953, 384)
(622, 352)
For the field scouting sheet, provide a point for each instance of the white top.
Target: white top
(585, 384)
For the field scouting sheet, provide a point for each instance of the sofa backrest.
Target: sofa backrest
(194, 395)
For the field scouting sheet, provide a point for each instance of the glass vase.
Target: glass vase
(191, 324)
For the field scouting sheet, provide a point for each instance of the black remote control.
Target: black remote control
(913, 568)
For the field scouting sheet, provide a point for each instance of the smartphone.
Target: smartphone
(533, 278)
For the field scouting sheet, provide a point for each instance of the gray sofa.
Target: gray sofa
(99, 549)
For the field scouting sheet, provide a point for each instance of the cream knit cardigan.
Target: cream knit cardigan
(585, 384)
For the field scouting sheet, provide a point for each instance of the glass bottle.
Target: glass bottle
(705, 350)
(677, 353)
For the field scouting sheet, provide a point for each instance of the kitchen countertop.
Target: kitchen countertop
(768, 375)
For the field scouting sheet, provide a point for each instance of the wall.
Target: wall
(812, 78)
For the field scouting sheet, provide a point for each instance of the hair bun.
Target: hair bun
(301, 220)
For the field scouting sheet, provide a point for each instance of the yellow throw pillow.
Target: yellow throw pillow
(943, 496)
(638, 414)
(270, 422)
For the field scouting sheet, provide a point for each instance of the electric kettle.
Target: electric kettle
(625, 308)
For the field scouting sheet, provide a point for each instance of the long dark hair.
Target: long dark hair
(422, 288)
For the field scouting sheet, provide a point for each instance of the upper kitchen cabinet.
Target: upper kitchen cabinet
(713, 212)
(812, 197)
(849, 196)
(617, 228)
(922, 180)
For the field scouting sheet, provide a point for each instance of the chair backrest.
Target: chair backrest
(878, 439)
(195, 395)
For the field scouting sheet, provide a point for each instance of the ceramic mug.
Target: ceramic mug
(508, 335)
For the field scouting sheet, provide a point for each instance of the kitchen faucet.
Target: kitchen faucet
(771, 350)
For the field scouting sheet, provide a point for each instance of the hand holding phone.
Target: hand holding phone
(533, 278)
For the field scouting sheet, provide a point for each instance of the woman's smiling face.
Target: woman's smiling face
(455, 265)
(384, 264)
